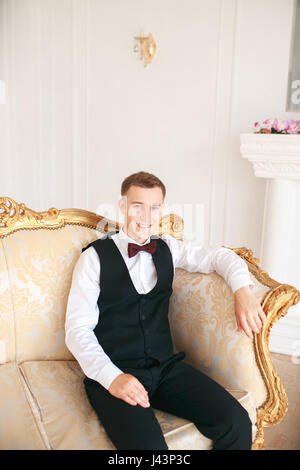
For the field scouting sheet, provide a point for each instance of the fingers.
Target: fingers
(249, 323)
(262, 315)
(246, 327)
(142, 392)
(252, 323)
(137, 394)
(139, 398)
(128, 388)
(129, 400)
(239, 327)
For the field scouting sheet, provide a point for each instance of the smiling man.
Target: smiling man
(117, 328)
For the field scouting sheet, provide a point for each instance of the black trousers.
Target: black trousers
(177, 388)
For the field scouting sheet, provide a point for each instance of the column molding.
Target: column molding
(276, 157)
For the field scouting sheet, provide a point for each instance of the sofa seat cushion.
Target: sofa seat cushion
(19, 429)
(70, 422)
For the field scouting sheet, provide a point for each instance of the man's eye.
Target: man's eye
(139, 205)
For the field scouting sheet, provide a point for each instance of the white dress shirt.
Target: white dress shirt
(82, 309)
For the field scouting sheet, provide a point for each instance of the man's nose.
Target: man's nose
(146, 218)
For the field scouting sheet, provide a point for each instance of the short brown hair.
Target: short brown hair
(144, 180)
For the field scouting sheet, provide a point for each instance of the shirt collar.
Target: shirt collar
(125, 239)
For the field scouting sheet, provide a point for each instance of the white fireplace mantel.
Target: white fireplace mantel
(273, 155)
(276, 157)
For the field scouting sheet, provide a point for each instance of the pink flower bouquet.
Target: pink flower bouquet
(277, 126)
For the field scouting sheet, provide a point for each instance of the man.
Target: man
(117, 328)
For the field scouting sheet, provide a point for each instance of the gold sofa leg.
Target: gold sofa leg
(259, 442)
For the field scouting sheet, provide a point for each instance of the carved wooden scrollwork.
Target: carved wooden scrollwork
(14, 216)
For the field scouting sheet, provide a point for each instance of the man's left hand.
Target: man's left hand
(248, 311)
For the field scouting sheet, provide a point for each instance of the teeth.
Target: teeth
(144, 226)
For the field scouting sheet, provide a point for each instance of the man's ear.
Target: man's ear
(121, 204)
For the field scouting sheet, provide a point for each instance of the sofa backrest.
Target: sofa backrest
(35, 278)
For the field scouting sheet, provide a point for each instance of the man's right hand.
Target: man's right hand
(129, 388)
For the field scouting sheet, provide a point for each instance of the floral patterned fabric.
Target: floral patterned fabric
(203, 324)
(40, 265)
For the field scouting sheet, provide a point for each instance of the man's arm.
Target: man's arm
(233, 269)
(197, 258)
(81, 318)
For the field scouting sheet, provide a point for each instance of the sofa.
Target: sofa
(43, 404)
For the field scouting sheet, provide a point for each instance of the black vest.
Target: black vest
(133, 327)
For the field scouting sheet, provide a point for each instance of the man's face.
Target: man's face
(142, 209)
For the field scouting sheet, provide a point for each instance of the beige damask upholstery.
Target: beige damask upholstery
(42, 399)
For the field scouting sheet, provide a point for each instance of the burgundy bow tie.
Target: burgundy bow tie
(133, 248)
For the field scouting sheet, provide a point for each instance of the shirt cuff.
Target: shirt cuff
(241, 281)
(108, 374)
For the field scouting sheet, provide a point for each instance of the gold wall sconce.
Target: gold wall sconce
(147, 47)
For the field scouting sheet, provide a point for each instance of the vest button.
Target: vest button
(146, 331)
(148, 349)
(143, 317)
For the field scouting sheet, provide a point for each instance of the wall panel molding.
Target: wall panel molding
(222, 150)
(79, 103)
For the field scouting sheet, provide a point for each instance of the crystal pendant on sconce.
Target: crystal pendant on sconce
(136, 47)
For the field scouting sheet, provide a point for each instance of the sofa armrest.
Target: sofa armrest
(203, 325)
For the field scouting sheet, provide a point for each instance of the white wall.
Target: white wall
(82, 112)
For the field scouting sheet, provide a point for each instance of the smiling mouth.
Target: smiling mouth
(144, 226)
